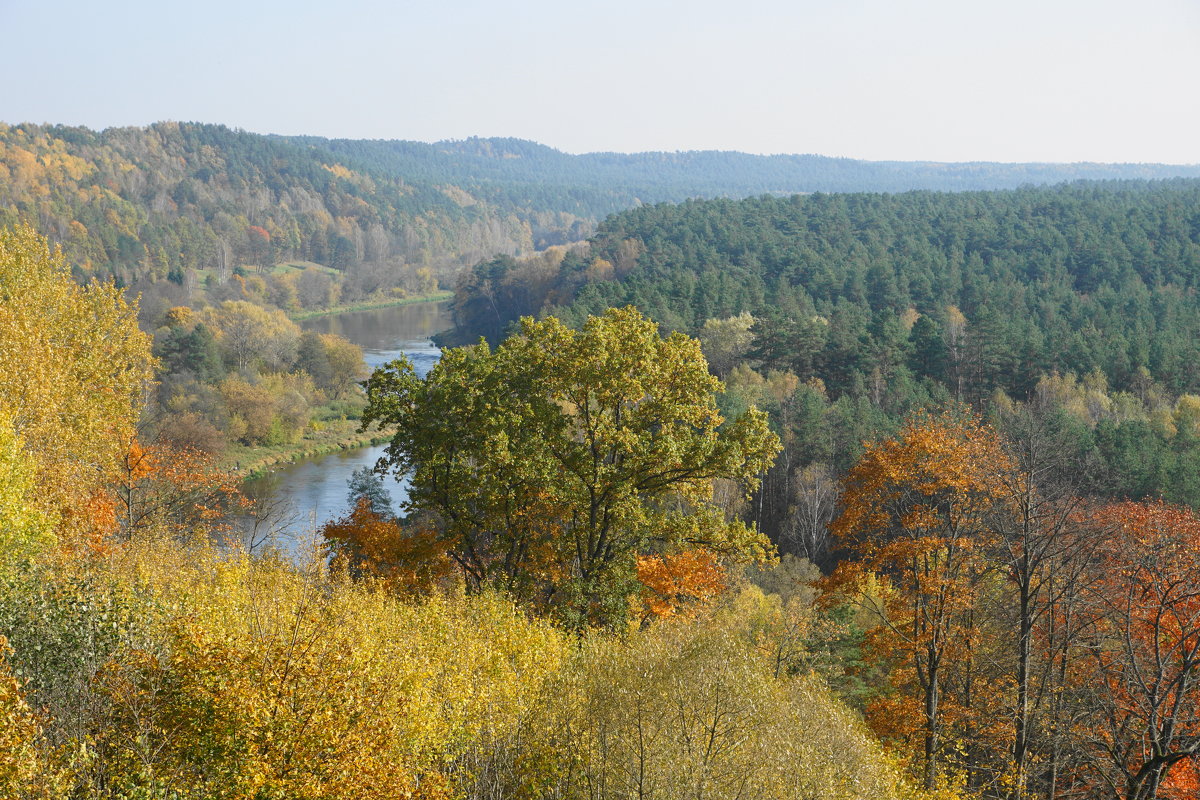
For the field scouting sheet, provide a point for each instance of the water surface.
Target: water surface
(303, 496)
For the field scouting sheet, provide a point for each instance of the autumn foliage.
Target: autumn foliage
(683, 582)
(409, 560)
(164, 489)
(553, 462)
(1035, 643)
(73, 366)
(1141, 650)
(915, 520)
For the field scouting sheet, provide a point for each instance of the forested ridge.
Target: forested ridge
(1074, 278)
(524, 174)
(878, 304)
(987, 411)
(174, 198)
(177, 197)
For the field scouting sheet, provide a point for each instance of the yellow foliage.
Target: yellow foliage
(274, 683)
(683, 712)
(27, 770)
(23, 530)
(1187, 414)
(73, 366)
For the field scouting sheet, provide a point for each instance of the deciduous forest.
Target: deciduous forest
(821, 496)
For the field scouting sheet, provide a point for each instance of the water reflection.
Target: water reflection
(303, 496)
(385, 333)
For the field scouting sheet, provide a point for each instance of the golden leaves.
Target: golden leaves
(73, 366)
(28, 767)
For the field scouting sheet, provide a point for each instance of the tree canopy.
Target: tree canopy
(73, 368)
(555, 460)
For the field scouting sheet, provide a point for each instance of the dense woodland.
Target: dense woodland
(844, 313)
(190, 201)
(193, 202)
(836, 496)
(519, 174)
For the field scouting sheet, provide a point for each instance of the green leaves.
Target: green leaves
(560, 456)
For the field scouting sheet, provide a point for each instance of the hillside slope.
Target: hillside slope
(148, 203)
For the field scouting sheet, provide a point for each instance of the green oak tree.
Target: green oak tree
(554, 460)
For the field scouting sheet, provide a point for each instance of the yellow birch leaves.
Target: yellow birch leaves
(73, 366)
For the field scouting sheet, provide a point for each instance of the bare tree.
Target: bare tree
(817, 493)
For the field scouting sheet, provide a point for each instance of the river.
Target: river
(305, 495)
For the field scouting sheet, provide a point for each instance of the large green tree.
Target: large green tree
(554, 460)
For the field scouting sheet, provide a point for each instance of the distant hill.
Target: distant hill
(521, 174)
(157, 202)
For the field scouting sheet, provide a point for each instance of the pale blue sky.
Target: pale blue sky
(947, 80)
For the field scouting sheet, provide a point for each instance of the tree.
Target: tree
(23, 530)
(73, 367)
(1143, 656)
(335, 364)
(557, 459)
(365, 484)
(726, 341)
(696, 712)
(27, 767)
(686, 581)
(170, 491)
(408, 558)
(817, 494)
(1038, 540)
(192, 349)
(914, 519)
(315, 288)
(249, 332)
(346, 366)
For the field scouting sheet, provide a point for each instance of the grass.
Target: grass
(369, 305)
(342, 434)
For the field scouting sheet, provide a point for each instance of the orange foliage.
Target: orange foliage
(88, 526)
(164, 489)
(1183, 781)
(408, 561)
(675, 583)
(934, 480)
(915, 521)
(1143, 656)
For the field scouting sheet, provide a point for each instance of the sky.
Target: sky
(937, 80)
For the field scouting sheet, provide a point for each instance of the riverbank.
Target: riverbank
(310, 476)
(372, 305)
(251, 462)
